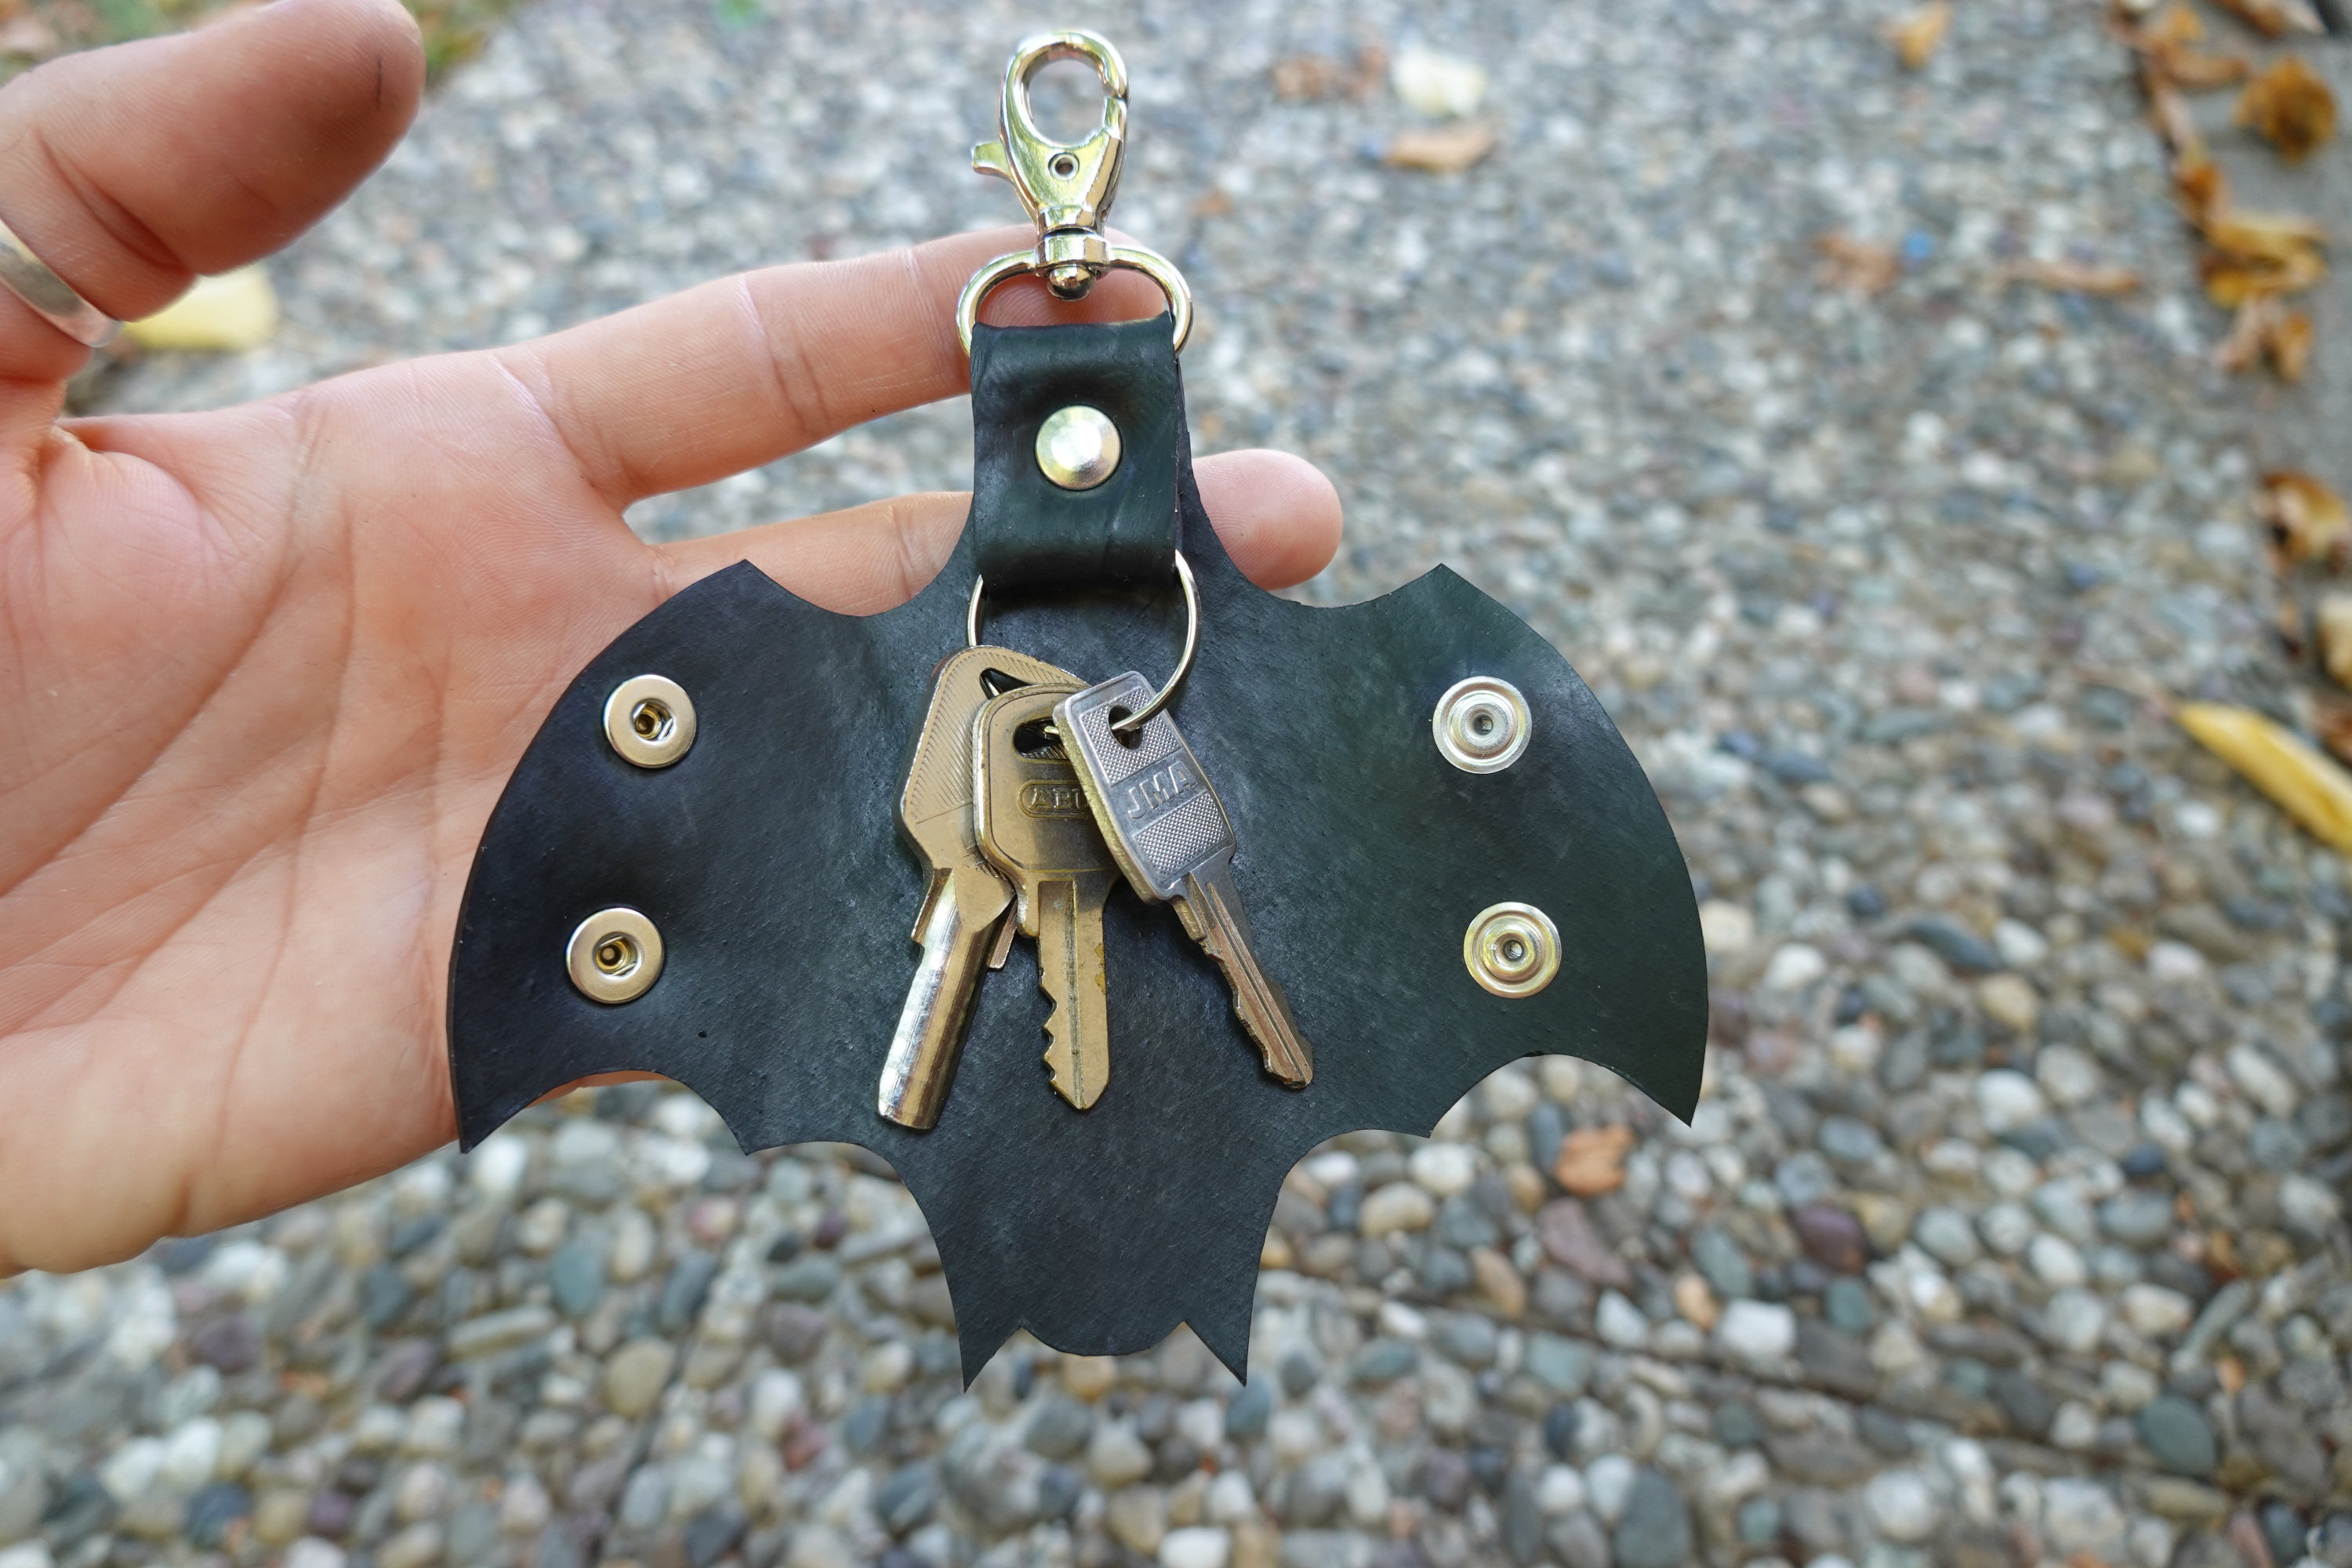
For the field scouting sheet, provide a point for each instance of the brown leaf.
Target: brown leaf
(2288, 343)
(2076, 277)
(2334, 722)
(2198, 70)
(2230, 284)
(2169, 111)
(1915, 36)
(2241, 349)
(2280, 238)
(1310, 77)
(2202, 188)
(2305, 783)
(1592, 1160)
(1439, 149)
(2291, 107)
(2333, 623)
(1857, 264)
(2275, 18)
(2307, 520)
(2166, 47)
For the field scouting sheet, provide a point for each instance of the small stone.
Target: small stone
(2177, 1433)
(1562, 1366)
(1444, 1169)
(1196, 1546)
(1060, 1428)
(1719, 1258)
(2011, 1001)
(496, 1331)
(1945, 1235)
(1592, 1160)
(793, 1331)
(2308, 1205)
(1383, 1361)
(2007, 1228)
(575, 1277)
(312, 1552)
(1832, 1236)
(1466, 1339)
(2136, 1216)
(1849, 1140)
(2009, 1100)
(2055, 1262)
(2153, 1310)
(1137, 1517)
(1836, 1361)
(228, 1344)
(1247, 1416)
(1695, 1301)
(418, 1546)
(636, 1376)
(1846, 1305)
(1116, 1457)
(1620, 1322)
(811, 1278)
(1655, 1530)
(1569, 1237)
(2261, 1079)
(1397, 1207)
(212, 1511)
(1756, 1332)
(1794, 967)
(2074, 1321)
(1498, 1281)
(2028, 1406)
(1902, 1504)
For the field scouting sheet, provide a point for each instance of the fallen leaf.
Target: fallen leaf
(1917, 36)
(231, 312)
(1857, 264)
(2230, 284)
(2199, 70)
(2265, 328)
(2169, 112)
(2289, 106)
(2287, 340)
(1310, 77)
(2166, 47)
(2334, 627)
(1592, 1160)
(1440, 149)
(2275, 18)
(2277, 237)
(2076, 277)
(2202, 188)
(2305, 783)
(1438, 85)
(2307, 519)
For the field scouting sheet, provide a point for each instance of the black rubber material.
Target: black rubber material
(771, 861)
(1027, 532)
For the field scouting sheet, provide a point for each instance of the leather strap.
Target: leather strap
(1029, 533)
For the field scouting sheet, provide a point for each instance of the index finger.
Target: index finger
(744, 370)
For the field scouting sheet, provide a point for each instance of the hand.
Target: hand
(263, 672)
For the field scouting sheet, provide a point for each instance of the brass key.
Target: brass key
(966, 899)
(1033, 823)
(1168, 832)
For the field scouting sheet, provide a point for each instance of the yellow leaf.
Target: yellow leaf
(1916, 36)
(2305, 784)
(223, 314)
(2290, 106)
(2307, 520)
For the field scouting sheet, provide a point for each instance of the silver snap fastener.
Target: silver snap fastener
(1482, 724)
(1077, 446)
(1512, 950)
(614, 955)
(649, 720)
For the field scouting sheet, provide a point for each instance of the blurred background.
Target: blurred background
(1893, 415)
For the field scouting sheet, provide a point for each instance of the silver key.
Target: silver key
(1168, 832)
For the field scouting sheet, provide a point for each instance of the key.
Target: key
(1033, 825)
(966, 899)
(1170, 835)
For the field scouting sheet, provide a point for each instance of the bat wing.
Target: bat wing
(771, 861)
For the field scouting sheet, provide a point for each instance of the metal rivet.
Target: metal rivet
(614, 955)
(649, 720)
(1512, 950)
(1077, 446)
(1482, 724)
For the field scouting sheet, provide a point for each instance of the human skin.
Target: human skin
(263, 671)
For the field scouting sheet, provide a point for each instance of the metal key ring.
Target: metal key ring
(1134, 258)
(1136, 720)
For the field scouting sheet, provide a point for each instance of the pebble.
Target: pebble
(2009, 1099)
(1902, 1506)
(1758, 1333)
(2154, 1311)
(1397, 1207)
(2178, 1433)
(2137, 1216)
(1442, 1170)
(1946, 1236)
(1655, 1530)
(636, 1376)
(2011, 1001)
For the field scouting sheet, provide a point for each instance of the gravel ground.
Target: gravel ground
(2009, 1229)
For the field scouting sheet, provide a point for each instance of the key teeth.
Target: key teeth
(1061, 1060)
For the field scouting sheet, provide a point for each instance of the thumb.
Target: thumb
(130, 170)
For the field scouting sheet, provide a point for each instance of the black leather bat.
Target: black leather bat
(771, 861)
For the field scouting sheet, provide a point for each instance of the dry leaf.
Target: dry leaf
(222, 314)
(2335, 627)
(1438, 85)
(2266, 329)
(2278, 237)
(2275, 18)
(2290, 107)
(1592, 1160)
(2076, 277)
(2334, 722)
(2202, 188)
(2230, 284)
(1310, 77)
(2169, 112)
(1442, 150)
(2197, 71)
(2307, 520)
(2305, 783)
(1857, 264)
(2166, 48)
(2287, 341)
(1915, 36)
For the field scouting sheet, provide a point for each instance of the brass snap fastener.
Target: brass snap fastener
(1482, 724)
(614, 955)
(1077, 446)
(1512, 950)
(649, 720)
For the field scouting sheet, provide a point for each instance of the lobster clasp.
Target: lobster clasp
(1066, 187)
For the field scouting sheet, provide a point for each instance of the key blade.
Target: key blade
(1070, 973)
(1156, 810)
(930, 1036)
(1214, 906)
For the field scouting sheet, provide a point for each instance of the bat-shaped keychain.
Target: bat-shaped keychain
(1286, 872)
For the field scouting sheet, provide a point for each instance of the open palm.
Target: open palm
(264, 672)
